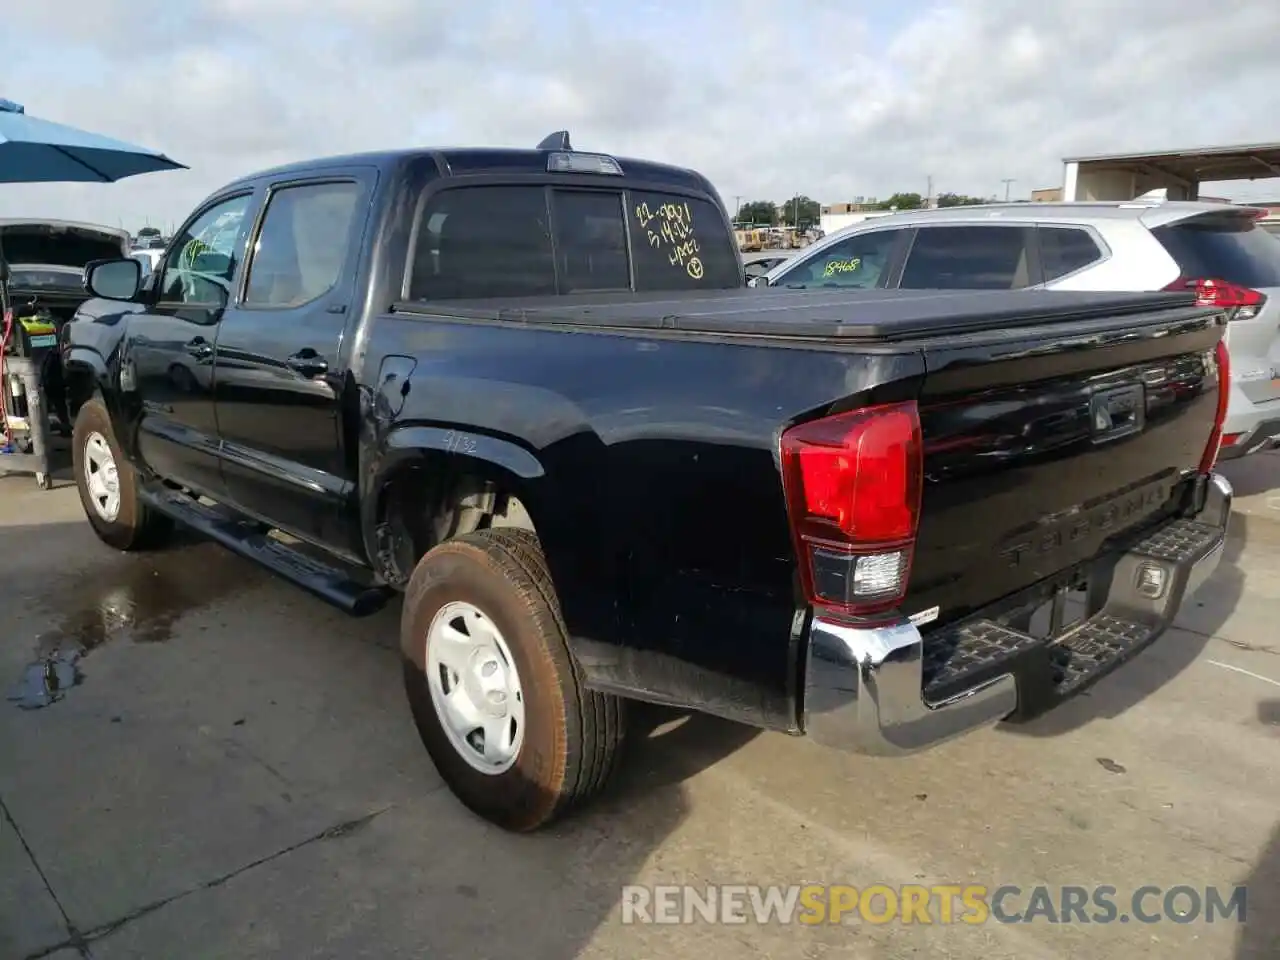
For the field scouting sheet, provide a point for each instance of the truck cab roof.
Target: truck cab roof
(467, 161)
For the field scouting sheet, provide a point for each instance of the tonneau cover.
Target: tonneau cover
(872, 315)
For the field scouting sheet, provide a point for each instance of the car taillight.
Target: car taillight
(852, 483)
(1223, 362)
(1241, 303)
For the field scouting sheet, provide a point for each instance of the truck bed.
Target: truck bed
(1021, 491)
(851, 316)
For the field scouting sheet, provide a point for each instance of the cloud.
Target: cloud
(767, 99)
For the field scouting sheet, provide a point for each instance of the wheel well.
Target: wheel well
(438, 497)
(79, 384)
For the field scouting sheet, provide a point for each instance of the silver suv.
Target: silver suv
(1216, 249)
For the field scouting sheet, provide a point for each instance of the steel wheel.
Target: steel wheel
(475, 687)
(102, 479)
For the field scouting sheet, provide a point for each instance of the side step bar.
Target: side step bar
(329, 582)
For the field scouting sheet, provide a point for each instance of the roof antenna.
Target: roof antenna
(557, 141)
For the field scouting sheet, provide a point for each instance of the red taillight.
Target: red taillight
(852, 483)
(1223, 363)
(1242, 302)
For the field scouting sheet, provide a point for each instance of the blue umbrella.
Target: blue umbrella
(37, 151)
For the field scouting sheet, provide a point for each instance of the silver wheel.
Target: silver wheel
(101, 478)
(475, 687)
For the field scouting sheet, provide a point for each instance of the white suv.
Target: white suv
(1217, 249)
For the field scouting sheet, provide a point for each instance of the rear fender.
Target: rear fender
(431, 460)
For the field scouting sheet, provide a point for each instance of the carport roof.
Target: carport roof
(1242, 162)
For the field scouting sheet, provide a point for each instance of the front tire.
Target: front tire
(493, 687)
(108, 485)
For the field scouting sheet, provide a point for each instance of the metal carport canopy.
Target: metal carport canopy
(1084, 178)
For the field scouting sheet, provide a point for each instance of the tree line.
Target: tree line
(807, 212)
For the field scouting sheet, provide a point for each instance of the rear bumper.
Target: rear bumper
(883, 691)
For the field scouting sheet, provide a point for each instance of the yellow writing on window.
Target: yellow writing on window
(670, 228)
(842, 266)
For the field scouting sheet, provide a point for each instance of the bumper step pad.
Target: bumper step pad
(1049, 670)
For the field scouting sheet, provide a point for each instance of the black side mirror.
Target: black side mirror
(113, 279)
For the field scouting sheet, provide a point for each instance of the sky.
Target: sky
(834, 100)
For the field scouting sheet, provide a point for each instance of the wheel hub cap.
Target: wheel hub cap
(101, 477)
(475, 687)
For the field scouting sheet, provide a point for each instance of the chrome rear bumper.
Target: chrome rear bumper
(864, 688)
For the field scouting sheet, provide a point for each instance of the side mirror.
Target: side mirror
(113, 279)
(760, 281)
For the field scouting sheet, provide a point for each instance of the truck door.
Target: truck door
(279, 380)
(168, 359)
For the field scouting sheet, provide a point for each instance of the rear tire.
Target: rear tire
(108, 485)
(489, 595)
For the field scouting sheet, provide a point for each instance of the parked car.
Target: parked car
(757, 265)
(46, 261)
(529, 391)
(47, 258)
(1214, 248)
(149, 257)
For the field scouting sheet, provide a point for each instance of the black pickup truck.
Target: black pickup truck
(529, 390)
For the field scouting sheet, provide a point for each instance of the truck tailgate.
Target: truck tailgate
(1045, 444)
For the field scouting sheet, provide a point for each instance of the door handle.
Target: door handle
(200, 348)
(308, 363)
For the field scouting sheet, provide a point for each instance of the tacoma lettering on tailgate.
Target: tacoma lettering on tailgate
(1055, 533)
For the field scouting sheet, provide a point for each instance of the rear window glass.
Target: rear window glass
(1232, 248)
(484, 242)
(1065, 250)
(680, 244)
(497, 241)
(591, 241)
(967, 258)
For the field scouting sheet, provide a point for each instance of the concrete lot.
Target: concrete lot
(237, 776)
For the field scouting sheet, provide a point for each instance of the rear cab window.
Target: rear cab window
(1227, 247)
(680, 243)
(531, 240)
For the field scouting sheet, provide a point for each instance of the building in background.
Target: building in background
(837, 216)
(1179, 173)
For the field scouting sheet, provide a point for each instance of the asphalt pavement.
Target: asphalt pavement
(235, 775)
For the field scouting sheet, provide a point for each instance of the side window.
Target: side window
(202, 261)
(591, 241)
(859, 262)
(680, 243)
(483, 242)
(302, 246)
(1065, 250)
(968, 258)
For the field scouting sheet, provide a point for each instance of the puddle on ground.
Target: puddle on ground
(46, 681)
(139, 598)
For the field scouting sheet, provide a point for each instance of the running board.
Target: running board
(329, 582)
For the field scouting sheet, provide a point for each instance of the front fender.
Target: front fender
(85, 371)
(90, 346)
